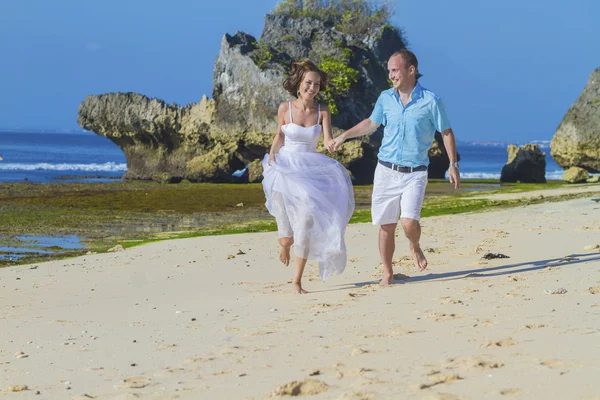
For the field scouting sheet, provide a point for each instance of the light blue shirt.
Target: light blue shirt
(409, 130)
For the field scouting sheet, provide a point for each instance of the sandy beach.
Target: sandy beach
(213, 317)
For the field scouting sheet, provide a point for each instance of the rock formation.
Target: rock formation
(209, 140)
(576, 142)
(575, 175)
(526, 164)
(438, 158)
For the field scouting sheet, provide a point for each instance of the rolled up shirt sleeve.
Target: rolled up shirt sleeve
(439, 117)
(377, 115)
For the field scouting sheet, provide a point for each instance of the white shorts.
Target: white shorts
(394, 191)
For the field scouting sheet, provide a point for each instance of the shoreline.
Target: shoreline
(88, 211)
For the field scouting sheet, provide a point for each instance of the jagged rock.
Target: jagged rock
(209, 140)
(255, 170)
(165, 178)
(214, 166)
(593, 179)
(155, 136)
(576, 142)
(117, 248)
(526, 164)
(438, 158)
(575, 175)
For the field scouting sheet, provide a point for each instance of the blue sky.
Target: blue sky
(507, 70)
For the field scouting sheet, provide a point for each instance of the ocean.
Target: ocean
(84, 156)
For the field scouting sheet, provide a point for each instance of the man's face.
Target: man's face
(399, 73)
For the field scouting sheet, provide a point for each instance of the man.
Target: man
(411, 114)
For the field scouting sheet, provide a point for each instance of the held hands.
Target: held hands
(328, 143)
(337, 142)
(454, 177)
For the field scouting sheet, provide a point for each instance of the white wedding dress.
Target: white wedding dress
(311, 197)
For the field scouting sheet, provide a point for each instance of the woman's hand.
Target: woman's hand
(328, 143)
(271, 159)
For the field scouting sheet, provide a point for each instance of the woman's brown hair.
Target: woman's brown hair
(299, 69)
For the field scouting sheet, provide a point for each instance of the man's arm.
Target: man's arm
(450, 145)
(365, 127)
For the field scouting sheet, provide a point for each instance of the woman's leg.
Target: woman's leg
(284, 229)
(284, 254)
(299, 264)
(301, 250)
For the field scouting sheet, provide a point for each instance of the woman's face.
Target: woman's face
(310, 85)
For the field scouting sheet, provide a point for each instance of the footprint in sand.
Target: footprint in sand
(169, 372)
(323, 307)
(358, 351)
(307, 387)
(484, 323)
(15, 388)
(552, 363)
(500, 343)
(356, 396)
(449, 300)
(134, 383)
(510, 392)
(356, 295)
(440, 380)
(593, 290)
(515, 278)
(445, 396)
(472, 363)
(533, 326)
(442, 316)
(199, 360)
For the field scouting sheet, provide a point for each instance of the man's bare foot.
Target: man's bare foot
(297, 288)
(284, 255)
(419, 257)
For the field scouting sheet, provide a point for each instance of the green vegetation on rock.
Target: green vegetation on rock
(348, 16)
(262, 55)
(341, 78)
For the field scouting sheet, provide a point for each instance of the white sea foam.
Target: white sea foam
(105, 167)
(550, 175)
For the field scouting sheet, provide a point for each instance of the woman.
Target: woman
(309, 194)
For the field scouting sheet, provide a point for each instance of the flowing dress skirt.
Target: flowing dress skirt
(311, 197)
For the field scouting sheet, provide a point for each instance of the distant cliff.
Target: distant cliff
(576, 142)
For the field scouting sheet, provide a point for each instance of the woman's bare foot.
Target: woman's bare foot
(387, 279)
(284, 256)
(297, 288)
(419, 257)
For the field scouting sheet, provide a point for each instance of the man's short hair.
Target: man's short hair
(409, 58)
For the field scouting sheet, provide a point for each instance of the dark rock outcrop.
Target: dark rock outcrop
(526, 164)
(576, 142)
(209, 140)
(438, 158)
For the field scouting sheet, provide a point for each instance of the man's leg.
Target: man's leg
(387, 245)
(412, 201)
(412, 230)
(385, 207)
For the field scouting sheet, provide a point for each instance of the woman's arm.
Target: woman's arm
(326, 120)
(278, 140)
